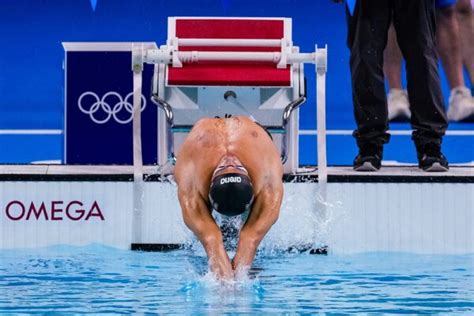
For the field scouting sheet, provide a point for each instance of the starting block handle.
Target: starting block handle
(167, 56)
(241, 42)
(168, 110)
(286, 119)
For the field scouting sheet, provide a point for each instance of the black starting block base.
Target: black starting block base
(170, 247)
(156, 247)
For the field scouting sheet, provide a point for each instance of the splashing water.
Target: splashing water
(223, 291)
(304, 222)
(97, 279)
(164, 171)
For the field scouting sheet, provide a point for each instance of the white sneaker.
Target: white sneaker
(461, 104)
(398, 105)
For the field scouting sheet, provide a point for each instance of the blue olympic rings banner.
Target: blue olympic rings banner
(98, 107)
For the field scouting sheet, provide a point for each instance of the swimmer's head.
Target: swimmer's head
(231, 191)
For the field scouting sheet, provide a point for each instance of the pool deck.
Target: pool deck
(335, 174)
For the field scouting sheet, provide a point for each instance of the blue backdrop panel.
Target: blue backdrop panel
(98, 124)
(32, 32)
(31, 56)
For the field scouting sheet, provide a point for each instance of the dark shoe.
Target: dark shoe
(369, 158)
(431, 159)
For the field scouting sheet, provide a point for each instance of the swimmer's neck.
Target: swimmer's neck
(229, 159)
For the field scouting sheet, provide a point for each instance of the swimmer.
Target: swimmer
(229, 165)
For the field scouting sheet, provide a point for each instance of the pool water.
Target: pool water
(104, 280)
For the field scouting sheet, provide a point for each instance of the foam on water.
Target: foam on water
(209, 285)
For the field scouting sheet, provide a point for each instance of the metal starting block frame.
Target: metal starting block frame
(240, 66)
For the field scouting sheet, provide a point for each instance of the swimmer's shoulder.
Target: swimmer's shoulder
(242, 118)
(207, 123)
(248, 121)
(207, 120)
(203, 124)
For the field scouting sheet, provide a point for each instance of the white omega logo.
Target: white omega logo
(94, 104)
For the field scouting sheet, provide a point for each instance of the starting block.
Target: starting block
(216, 66)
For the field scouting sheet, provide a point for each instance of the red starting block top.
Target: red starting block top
(226, 73)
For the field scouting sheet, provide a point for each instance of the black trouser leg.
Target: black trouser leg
(415, 24)
(367, 37)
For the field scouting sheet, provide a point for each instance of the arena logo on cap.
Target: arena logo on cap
(53, 211)
(231, 180)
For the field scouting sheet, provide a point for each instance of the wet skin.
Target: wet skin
(230, 142)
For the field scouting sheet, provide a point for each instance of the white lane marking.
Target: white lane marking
(392, 132)
(47, 162)
(31, 131)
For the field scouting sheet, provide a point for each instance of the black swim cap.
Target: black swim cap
(231, 194)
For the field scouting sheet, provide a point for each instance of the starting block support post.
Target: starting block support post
(137, 68)
(321, 68)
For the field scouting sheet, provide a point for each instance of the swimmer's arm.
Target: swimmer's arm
(198, 219)
(264, 214)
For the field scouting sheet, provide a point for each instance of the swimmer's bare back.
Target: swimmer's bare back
(207, 144)
(212, 138)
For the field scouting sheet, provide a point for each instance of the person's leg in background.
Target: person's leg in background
(465, 16)
(366, 39)
(397, 98)
(415, 24)
(449, 49)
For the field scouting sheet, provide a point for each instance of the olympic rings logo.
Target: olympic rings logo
(100, 105)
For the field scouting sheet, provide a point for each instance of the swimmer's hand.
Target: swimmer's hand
(245, 254)
(221, 268)
(219, 262)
